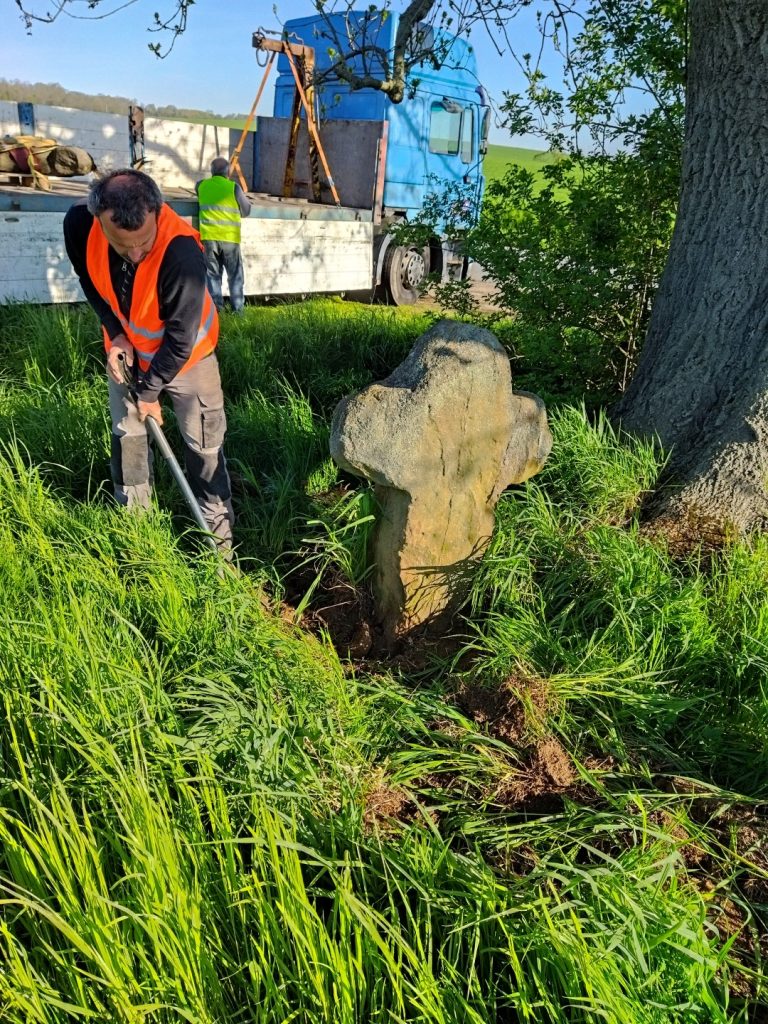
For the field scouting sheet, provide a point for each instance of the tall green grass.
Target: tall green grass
(207, 816)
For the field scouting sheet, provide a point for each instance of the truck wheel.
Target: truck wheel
(405, 268)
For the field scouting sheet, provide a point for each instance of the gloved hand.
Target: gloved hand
(120, 347)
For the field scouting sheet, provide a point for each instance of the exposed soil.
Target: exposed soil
(514, 712)
(386, 807)
(342, 611)
(346, 614)
(694, 855)
(482, 292)
(549, 773)
(687, 532)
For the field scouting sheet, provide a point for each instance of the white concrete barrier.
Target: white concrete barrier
(177, 153)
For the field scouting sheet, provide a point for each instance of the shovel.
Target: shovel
(157, 435)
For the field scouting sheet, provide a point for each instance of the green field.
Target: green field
(220, 122)
(499, 157)
(212, 813)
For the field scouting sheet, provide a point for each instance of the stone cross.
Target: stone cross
(440, 438)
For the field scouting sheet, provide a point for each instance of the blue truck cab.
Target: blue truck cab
(436, 136)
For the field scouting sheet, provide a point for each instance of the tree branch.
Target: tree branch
(175, 23)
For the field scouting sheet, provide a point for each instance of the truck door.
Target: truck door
(452, 151)
(406, 168)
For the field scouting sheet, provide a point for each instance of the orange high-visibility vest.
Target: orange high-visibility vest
(144, 328)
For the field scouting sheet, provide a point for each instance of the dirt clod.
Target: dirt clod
(548, 774)
(554, 762)
(386, 806)
(514, 712)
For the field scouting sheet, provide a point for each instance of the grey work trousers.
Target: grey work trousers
(198, 402)
(221, 256)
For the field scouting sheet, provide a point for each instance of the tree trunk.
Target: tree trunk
(702, 381)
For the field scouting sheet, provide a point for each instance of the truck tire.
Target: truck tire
(405, 269)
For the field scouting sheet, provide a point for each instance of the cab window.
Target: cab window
(445, 129)
(485, 125)
(468, 135)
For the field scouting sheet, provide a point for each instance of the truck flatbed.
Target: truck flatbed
(15, 197)
(289, 246)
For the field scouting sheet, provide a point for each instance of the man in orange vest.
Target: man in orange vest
(142, 270)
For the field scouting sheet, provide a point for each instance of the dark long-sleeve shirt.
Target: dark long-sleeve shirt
(242, 201)
(181, 285)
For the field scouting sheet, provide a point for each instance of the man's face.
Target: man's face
(131, 245)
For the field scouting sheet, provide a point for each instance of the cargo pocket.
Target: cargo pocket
(213, 427)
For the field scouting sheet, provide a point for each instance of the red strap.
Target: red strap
(21, 158)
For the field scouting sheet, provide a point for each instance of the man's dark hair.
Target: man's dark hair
(129, 195)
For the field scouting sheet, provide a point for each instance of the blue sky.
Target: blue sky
(212, 66)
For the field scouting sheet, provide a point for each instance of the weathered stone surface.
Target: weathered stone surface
(440, 438)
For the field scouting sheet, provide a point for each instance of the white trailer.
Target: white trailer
(290, 245)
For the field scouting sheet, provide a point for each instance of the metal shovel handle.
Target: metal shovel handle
(161, 441)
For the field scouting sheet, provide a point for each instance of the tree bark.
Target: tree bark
(702, 381)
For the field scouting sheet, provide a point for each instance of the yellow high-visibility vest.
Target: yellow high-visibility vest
(219, 212)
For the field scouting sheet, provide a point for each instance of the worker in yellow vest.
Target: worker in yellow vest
(222, 204)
